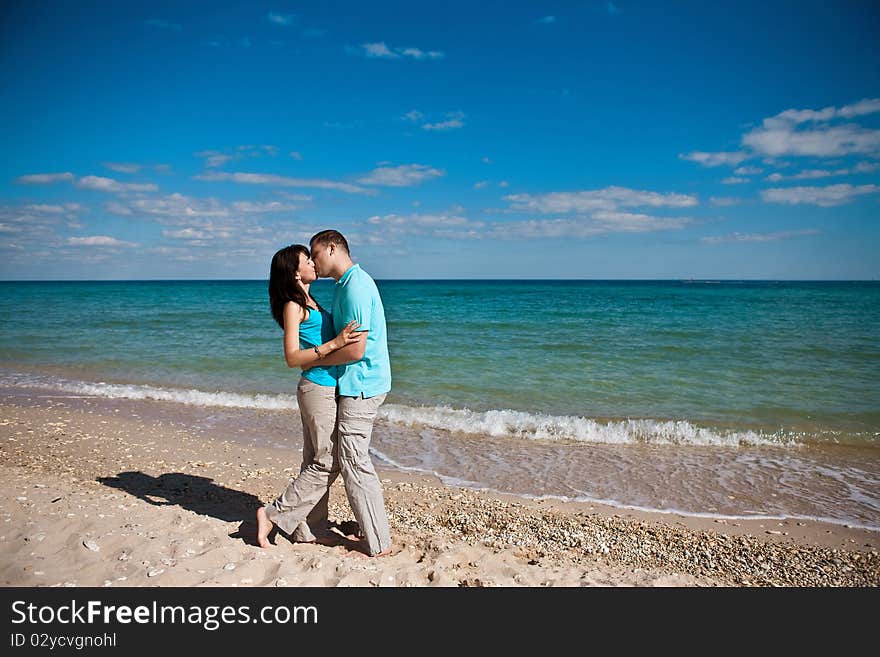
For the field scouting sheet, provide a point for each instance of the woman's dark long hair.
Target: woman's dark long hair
(283, 286)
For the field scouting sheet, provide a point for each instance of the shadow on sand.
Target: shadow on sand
(201, 495)
(198, 494)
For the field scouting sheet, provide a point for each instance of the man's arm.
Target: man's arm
(350, 353)
(353, 305)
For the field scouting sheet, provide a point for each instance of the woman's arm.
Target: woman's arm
(350, 353)
(306, 358)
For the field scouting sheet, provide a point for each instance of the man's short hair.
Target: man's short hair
(330, 237)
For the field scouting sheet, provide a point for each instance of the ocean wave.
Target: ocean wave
(536, 426)
(496, 423)
(133, 391)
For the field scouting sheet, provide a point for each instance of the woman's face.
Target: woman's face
(306, 270)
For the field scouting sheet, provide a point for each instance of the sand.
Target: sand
(90, 498)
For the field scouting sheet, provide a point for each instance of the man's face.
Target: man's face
(321, 258)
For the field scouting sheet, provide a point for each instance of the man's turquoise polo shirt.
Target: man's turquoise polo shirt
(356, 297)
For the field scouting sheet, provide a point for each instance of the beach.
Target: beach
(664, 433)
(97, 497)
(738, 400)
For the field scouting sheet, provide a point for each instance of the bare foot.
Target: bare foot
(264, 526)
(384, 553)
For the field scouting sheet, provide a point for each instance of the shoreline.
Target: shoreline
(76, 469)
(715, 483)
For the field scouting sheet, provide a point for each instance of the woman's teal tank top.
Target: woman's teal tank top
(314, 331)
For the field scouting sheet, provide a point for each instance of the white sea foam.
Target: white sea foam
(132, 391)
(537, 426)
(500, 423)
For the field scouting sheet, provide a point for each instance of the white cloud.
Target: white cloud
(504, 184)
(110, 185)
(282, 181)
(379, 50)
(583, 227)
(724, 201)
(715, 159)
(228, 231)
(417, 53)
(215, 158)
(30, 216)
(861, 108)
(173, 205)
(822, 196)
(811, 174)
(123, 167)
(414, 116)
(734, 180)
(44, 178)
(432, 220)
(296, 155)
(382, 51)
(235, 232)
(52, 209)
(455, 225)
(609, 198)
(628, 222)
(24, 229)
(186, 234)
(401, 176)
(758, 237)
(547, 20)
(249, 207)
(294, 197)
(281, 19)
(866, 167)
(448, 226)
(481, 184)
(184, 208)
(453, 120)
(485, 160)
(748, 171)
(785, 140)
(804, 133)
(115, 207)
(98, 240)
(781, 135)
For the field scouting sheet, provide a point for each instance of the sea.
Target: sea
(722, 399)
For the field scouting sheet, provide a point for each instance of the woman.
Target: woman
(301, 510)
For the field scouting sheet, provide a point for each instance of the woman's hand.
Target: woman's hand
(348, 335)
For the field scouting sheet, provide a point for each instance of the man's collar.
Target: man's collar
(347, 273)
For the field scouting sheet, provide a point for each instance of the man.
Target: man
(364, 382)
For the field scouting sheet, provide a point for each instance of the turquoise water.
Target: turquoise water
(763, 356)
(725, 399)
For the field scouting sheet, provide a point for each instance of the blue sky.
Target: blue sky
(446, 140)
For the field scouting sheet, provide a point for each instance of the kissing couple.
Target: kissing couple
(346, 375)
